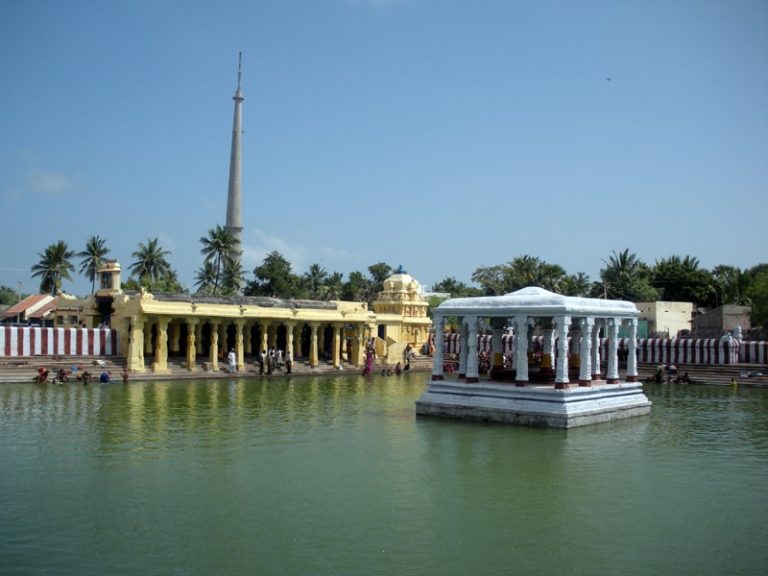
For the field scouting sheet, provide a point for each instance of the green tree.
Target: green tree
(730, 284)
(757, 295)
(273, 278)
(681, 280)
(150, 264)
(313, 282)
(334, 285)
(494, 280)
(576, 285)
(9, 296)
(220, 248)
(522, 271)
(205, 278)
(92, 258)
(455, 288)
(379, 272)
(357, 288)
(54, 266)
(625, 277)
(167, 283)
(233, 279)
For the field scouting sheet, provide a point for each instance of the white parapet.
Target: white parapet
(534, 405)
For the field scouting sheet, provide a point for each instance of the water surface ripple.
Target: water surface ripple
(336, 475)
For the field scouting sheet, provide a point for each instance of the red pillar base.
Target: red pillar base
(585, 382)
(562, 385)
(611, 380)
(521, 383)
(437, 377)
(632, 379)
(472, 380)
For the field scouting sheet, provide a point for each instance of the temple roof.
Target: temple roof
(536, 301)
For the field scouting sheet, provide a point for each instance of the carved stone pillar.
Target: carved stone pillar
(472, 367)
(561, 369)
(135, 355)
(585, 352)
(239, 349)
(521, 350)
(336, 358)
(264, 330)
(213, 355)
(632, 351)
(160, 364)
(612, 374)
(437, 355)
(313, 356)
(596, 372)
(192, 325)
(463, 348)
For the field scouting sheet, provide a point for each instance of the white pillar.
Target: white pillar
(632, 351)
(612, 374)
(437, 356)
(464, 348)
(561, 370)
(585, 352)
(521, 350)
(472, 374)
(596, 350)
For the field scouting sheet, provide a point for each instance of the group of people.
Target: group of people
(63, 375)
(274, 359)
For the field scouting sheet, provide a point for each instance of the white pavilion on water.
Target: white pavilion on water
(530, 401)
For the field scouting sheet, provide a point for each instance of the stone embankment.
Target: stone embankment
(25, 370)
(20, 370)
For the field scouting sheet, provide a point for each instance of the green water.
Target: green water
(336, 476)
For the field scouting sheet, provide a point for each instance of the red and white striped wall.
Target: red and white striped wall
(649, 350)
(753, 352)
(36, 341)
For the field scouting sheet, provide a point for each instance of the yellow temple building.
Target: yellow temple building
(198, 331)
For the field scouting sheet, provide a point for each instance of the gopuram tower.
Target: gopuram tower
(234, 214)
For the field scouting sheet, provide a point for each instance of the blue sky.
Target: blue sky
(442, 135)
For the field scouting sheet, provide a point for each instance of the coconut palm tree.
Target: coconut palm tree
(205, 278)
(233, 278)
(54, 266)
(150, 261)
(314, 281)
(220, 248)
(92, 258)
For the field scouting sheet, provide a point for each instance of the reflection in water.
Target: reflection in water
(336, 475)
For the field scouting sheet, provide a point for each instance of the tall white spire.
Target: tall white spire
(234, 214)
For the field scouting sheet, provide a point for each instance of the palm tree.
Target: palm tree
(92, 258)
(150, 261)
(314, 280)
(205, 278)
(626, 277)
(233, 278)
(219, 248)
(54, 266)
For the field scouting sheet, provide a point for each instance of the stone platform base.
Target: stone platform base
(533, 406)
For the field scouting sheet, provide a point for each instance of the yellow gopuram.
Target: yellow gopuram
(198, 331)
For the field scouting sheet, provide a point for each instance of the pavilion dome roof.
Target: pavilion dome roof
(537, 301)
(401, 281)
